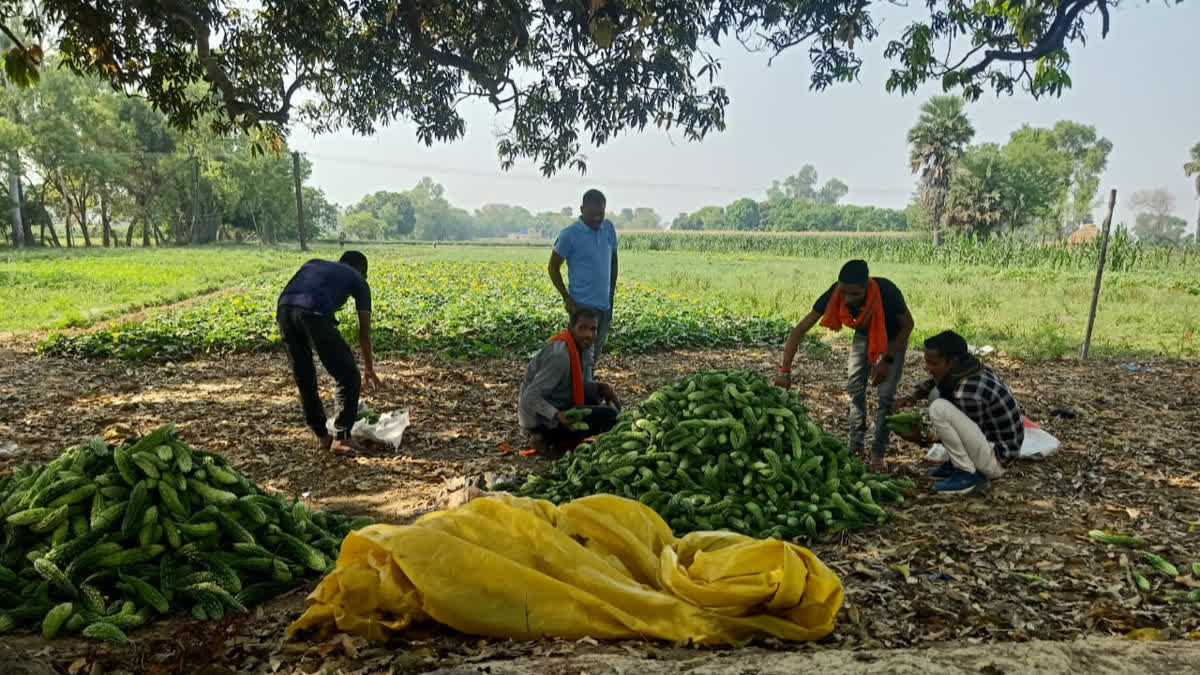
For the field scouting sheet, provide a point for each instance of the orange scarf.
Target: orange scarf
(837, 315)
(576, 368)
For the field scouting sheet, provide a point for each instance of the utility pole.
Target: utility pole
(299, 199)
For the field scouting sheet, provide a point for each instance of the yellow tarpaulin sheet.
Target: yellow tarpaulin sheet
(601, 566)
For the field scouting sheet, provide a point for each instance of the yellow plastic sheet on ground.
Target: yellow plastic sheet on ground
(601, 566)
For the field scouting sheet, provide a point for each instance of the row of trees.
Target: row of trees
(1042, 182)
(795, 204)
(425, 213)
(92, 166)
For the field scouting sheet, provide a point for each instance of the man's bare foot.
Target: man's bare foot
(346, 446)
(878, 465)
(325, 441)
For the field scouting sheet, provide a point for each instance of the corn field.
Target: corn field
(1125, 254)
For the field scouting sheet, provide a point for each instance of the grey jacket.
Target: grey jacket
(546, 387)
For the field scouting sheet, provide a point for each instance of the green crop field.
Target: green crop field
(464, 300)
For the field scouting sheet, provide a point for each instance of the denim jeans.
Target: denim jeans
(858, 372)
(603, 320)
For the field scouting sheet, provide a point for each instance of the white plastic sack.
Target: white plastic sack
(1038, 443)
(389, 429)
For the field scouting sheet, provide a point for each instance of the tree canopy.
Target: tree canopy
(561, 70)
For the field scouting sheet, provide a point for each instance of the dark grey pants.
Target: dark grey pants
(304, 331)
(858, 372)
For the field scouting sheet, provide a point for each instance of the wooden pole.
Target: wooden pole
(1087, 337)
(299, 199)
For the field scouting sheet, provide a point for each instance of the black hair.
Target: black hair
(356, 260)
(594, 196)
(948, 343)
(583, 313)
(855, 272)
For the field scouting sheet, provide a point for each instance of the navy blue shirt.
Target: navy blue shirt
(322, 286)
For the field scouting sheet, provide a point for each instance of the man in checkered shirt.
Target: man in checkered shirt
(973, 412)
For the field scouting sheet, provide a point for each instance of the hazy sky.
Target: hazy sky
(1133, 87)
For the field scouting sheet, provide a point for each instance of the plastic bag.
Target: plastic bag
(1038, 443)
(388, 430)
(603, 567)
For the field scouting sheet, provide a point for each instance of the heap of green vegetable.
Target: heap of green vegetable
(104, 538)
(725, 450)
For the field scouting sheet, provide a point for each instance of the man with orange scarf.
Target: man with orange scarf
(558, 379)
(874, 307)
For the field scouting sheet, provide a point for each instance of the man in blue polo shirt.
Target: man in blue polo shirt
(305, 314)
(589, 247)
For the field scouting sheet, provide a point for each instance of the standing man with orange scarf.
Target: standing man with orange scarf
(874, 307)
(558, 379)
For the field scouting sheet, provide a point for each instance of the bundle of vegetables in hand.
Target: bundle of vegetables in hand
(905, 423)
(574, 418)
(104, 538)
(725, 450)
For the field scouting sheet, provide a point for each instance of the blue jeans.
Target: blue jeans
(603, 320)
(858, 372)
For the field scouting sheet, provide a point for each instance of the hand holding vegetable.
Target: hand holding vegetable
(609, 395)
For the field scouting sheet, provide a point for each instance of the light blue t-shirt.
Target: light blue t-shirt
(589, 255)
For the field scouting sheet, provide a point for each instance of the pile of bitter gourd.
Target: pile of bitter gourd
(725, 450)
(105, 538)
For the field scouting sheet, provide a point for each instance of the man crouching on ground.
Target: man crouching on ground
(554, 383)
(973, 412)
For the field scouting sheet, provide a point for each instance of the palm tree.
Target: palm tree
(938, 138)
(1193, 167)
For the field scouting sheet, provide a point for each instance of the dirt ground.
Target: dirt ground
(937, 589)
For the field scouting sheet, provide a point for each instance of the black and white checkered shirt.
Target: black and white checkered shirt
(987, 400)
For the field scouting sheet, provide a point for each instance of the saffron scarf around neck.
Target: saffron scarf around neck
(576, 367)
(837, 315)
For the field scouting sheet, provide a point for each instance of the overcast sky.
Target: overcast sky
(1140, 87)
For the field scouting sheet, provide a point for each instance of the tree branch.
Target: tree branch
(1052, 41)
(215, 74)
(10, 36)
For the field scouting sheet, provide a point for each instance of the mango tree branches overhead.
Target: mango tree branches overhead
(565, 72)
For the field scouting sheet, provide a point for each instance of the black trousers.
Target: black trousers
(599, 420)
(303, 331)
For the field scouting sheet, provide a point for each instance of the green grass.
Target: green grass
(1039, 313)
(44, 288)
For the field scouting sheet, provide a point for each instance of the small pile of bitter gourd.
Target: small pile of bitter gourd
(105, 538)
(725, 450)
(1159, 563)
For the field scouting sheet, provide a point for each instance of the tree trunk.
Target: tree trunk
(26, 226)
(87, 239)
(299, 200)
(104, 224)
(14, 194)
(129, 233)
(146, 232)
(159, 238)
(54, 235)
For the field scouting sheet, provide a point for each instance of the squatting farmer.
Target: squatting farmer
(589, 247)
(556, 382)
(874, 307)
(973, 413)
(305, 314)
